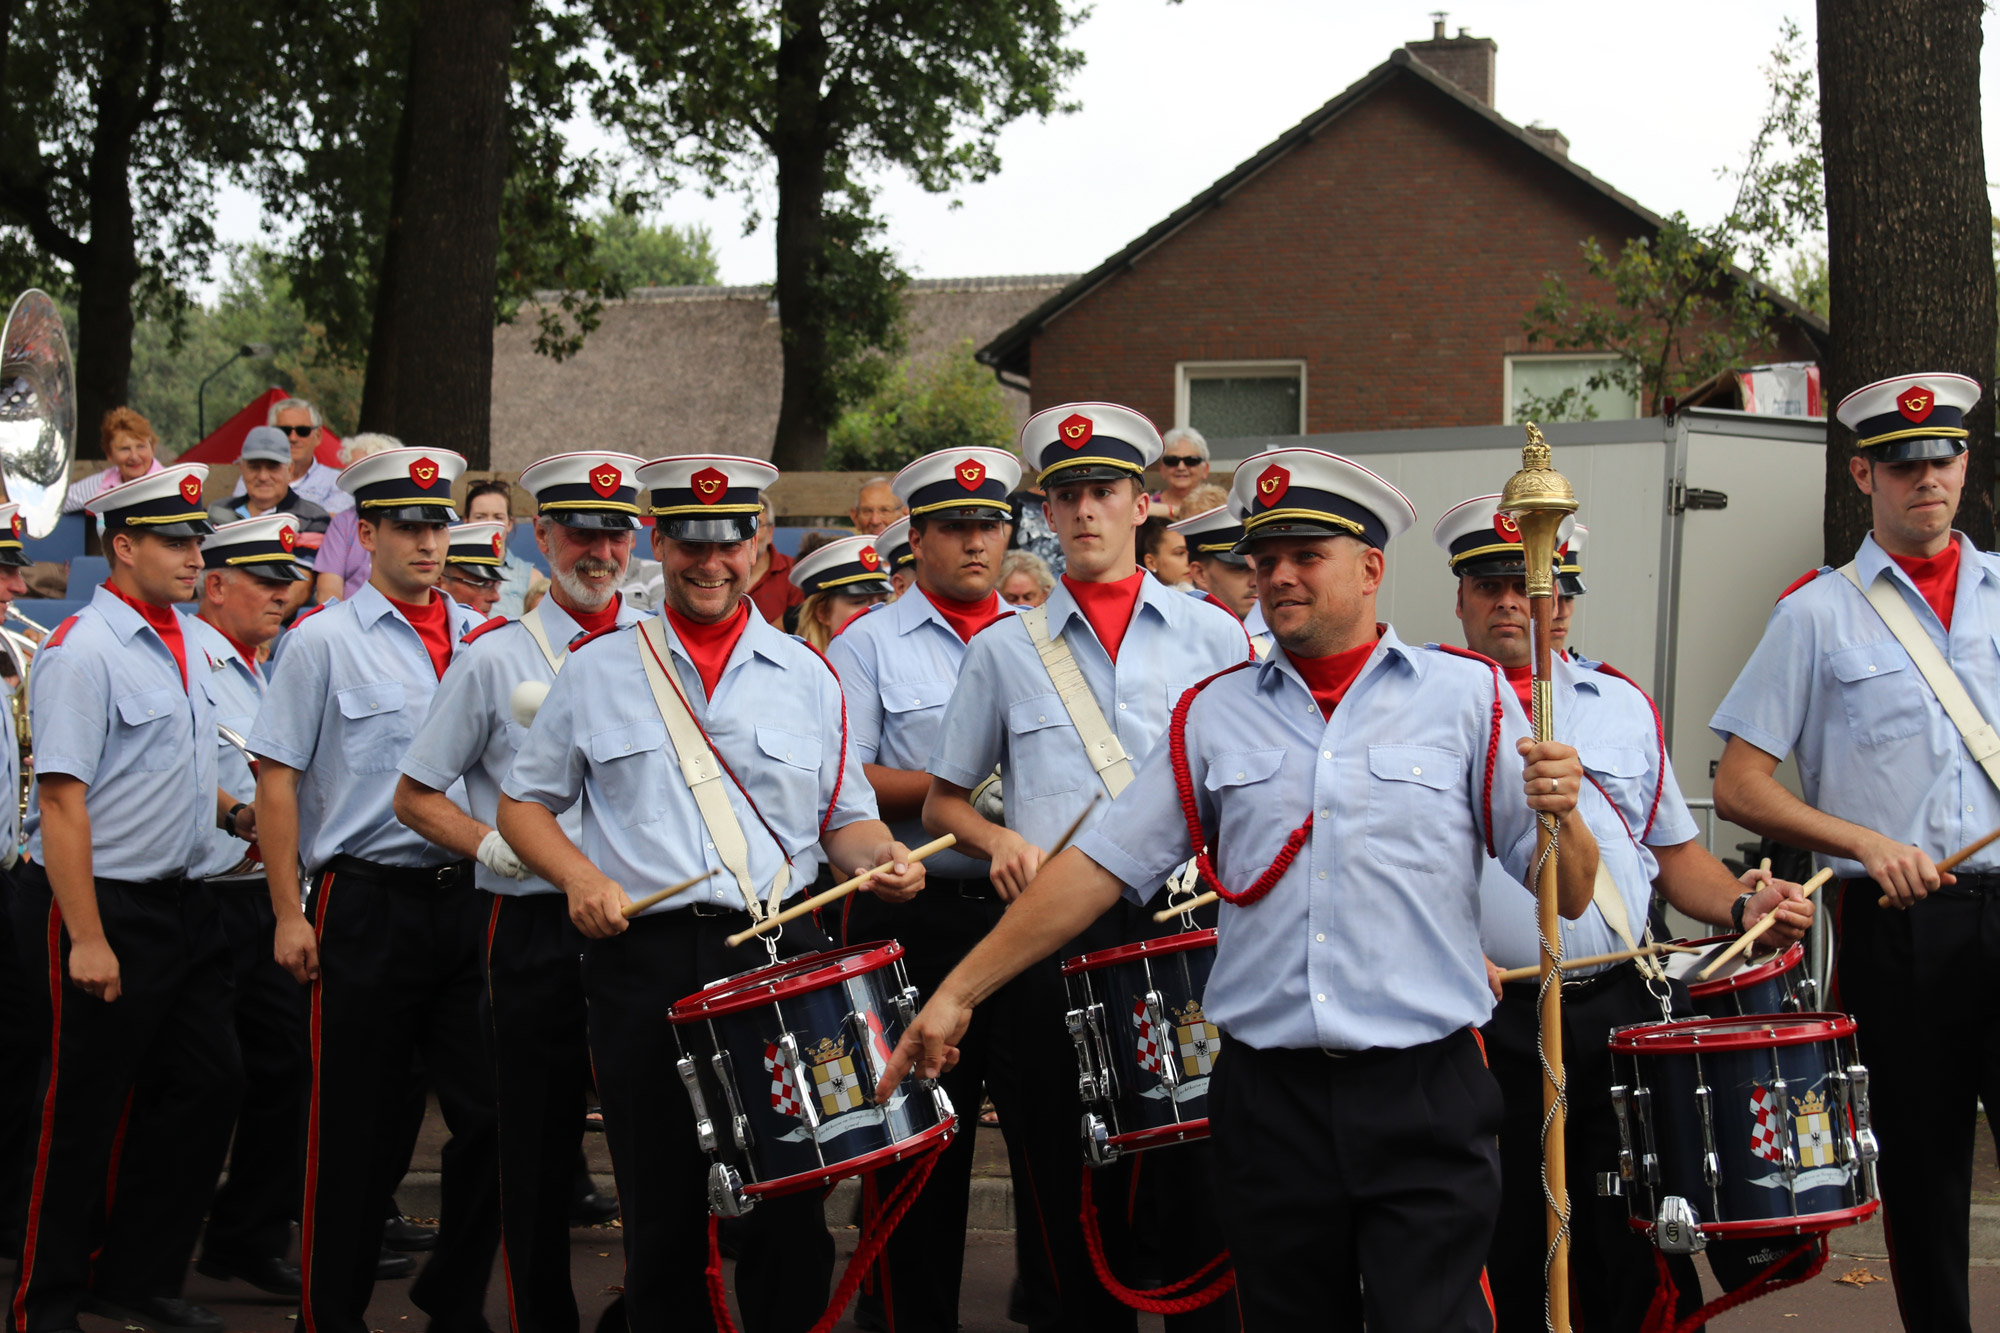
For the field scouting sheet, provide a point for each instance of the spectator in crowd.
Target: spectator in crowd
(1203, 498)
(876, 507)
(1025, 580)
(1032, 532)
(1184, 466)
(493, 502)
(1164, 552)
(265, 487)
(341, 566)
(771, 586)
(129, 442)
(305, 432)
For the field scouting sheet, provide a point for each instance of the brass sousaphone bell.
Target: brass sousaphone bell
(37, 410)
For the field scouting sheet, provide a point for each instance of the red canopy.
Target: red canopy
(225, 443)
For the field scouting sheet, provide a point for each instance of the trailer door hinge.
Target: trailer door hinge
(1683, 497)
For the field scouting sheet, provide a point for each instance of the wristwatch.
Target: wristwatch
(1735, 909)
(228, 825)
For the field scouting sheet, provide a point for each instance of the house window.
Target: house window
(1227, 399)
(1545, 379)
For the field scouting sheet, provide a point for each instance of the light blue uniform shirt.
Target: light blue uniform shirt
(347, 696)
(1371, 937)
(1006, 712)
(10, 765)
(1611, 724)
(1829, 682)
(599, 741)
(238, 689)
(107, 707)
(471, 732)
(898, 665)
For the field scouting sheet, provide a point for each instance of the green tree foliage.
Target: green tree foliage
(952, 404)
(1688, 302)
(825, 92)
(638, 254)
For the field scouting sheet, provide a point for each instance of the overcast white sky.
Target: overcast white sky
(1654, 99)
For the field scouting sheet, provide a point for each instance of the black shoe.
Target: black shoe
(593, 1210)
(155, 1312)
(393, 1265)
(272, 1275)
(400, 1233)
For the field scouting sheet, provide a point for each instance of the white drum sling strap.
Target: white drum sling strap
(532, 622)
(1100, 742)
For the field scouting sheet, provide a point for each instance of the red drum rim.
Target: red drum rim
(791, 976)
(1160, 1136)
(1776, 965)
(1756, 1032)
(834, 1172)
(1783, 1226)
(1184, 942)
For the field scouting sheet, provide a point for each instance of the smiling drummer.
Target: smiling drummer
(708, 693)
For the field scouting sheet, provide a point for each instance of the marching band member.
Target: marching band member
(130, 949)
(1222, 576)
(1350, 785)
(894, 544)
(711, 688)
(22, 1034)
(1124, 647)
(1881, 677)
(1645, 833)
(390, 948)
(586, 512)
(249, 574)
(840, 580)
(897, 667)
(472, 564)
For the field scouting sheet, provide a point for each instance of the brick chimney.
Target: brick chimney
(1466, 60)
(1551, 136)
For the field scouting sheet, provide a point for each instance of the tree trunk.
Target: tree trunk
(1909, 240)
(108, 269)
(438, 274)
(378, 384)
(799, 145)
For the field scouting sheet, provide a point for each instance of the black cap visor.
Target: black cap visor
(600, 520)
(434, 514)
(721, 528)
(1917, 448)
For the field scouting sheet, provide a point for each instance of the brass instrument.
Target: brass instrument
(37, 410)
(22, 648)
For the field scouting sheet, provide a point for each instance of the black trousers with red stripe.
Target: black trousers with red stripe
(399, 958)
(541, 1064)
(24, 1037)
(1924, 989)
(1358, 1189)
(251, 1217)
(157, 1068)
(784, 1268)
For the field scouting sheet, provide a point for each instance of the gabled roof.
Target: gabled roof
(1008, 353)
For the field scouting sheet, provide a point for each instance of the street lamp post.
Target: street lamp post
(201, 394)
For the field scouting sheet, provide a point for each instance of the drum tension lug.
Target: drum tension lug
(1620, 1099)
(1609, 1185)
(704, 1127)
(725, 1192)
(906, 1006)
(1678, 1230)
(1098, 1150)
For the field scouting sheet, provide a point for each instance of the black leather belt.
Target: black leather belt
(978, 890)
(450, 876)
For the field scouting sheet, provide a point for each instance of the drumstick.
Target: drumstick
(1199, 900)
(1956, 859)
(633, 909)
(1534, 970)
(841, 890)
(1749, 937)
(1063, 841)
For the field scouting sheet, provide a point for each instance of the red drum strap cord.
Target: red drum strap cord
(1184, 783)
(1175, 1297)
(1660, 1317)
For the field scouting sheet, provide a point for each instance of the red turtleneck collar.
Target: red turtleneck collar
(1330, 677)
(433, 625)
(1936, 578)
(166, 623)
(966, 618)
(592, 622)
(709, 645)
(1522, 678)
(1108, 607)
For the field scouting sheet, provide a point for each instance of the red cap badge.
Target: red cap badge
(1074, 430)
(287, 539)
(869, 560)
(710, 485)
(1508, 529)
(424, 472)
(1272, 484)
(499, 547)
(1916, 402)
(19, 524)
(971, 474)
(604, 479)
(191, 489)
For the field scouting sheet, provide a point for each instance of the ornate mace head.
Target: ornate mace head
(1538, 498)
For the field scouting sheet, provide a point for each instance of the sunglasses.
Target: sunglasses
(1177, 460)
(298, 430)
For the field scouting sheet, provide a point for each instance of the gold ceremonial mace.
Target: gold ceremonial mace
(1538, 498)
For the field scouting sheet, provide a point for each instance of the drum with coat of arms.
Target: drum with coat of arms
(781, 1066)
(1144, 1048)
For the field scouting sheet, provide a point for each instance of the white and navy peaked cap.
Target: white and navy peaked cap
(1088, 442)
(1312, 493)
(1212, 534)
(851, 565)
(959, 483)
(1481, 542)
(266, 546)
(706, 497)
(1908, 417)
(586, 490)
(167, 502)
(478, 550)
(893, 544)
(405, 485)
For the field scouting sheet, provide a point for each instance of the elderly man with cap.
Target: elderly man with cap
(266, 487)
(391, 938)
(1065, 700)
(249, 569)
(1645, 836)
(129, 944)
(587, 511)
(1350, 786)
(1882, 679)
(709, 687)
(474, 554)
(897, 668)
(1222, 576)
(22, 1034)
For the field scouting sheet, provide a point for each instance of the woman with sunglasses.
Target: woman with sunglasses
(1184, 466)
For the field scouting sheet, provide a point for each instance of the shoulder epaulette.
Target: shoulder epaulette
(1801, 582)
(307, 614)
(865, 611)
(999, 619)
(1455, 651)
(477, 630)
(591, 637)
(56, 638)
(1213, 600)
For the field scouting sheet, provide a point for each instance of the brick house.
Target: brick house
(1368, 270)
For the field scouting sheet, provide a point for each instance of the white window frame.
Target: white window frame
(1507, 364)
(1220, 370)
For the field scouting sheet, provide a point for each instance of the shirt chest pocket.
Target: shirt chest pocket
(794, 770)
(1245, 776)
(1044, 754)
(1414, 804)
(911, 712)
(1885, 698)
(153, 748)
(376, 727)
(630, 763)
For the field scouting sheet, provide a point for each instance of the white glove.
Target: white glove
(498, 857)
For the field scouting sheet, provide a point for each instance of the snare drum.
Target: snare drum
(1745, 986)
(1144, 1049)
(781, 1066)
(1742, 1127)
